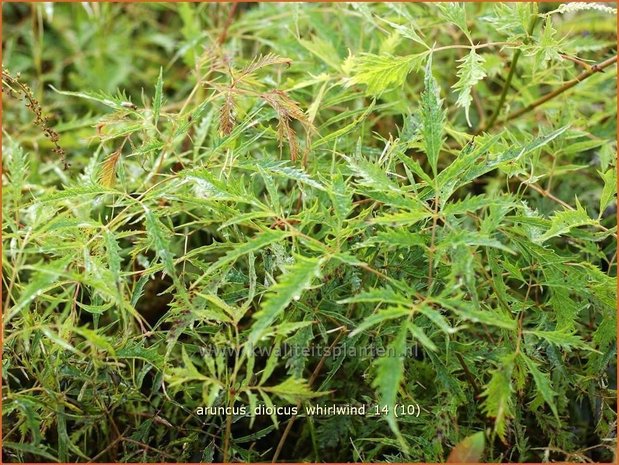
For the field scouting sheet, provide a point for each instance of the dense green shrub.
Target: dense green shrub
(365, 178)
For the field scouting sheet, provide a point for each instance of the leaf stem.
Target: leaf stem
(475, 47)
(231, 397)
(469, 376)
(433, 238)
(508, 81)
(282, 441)
(224, 32)
(568, 85)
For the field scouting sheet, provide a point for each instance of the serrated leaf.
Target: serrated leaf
(18, 167)
(397, 238)
(253, 403)
(437, 318)
(96, 339)
(563, 338)
(499, 401)
(475, 161)
(95, 309)
(117, 102)
(455, 13)
(466, 311)
(341, 198)
(158, 235)
(269, 403)
(386, 314)
(270, 365)
(389, 375)
(58, 340)
(432, 117)
(379, 295)
(548, 44)
(290, 172)
(39, 283)
(380, 73)
(403, 218)
(406, 30)
(420, 335)
(254, 436)
(542, 382)
(113, 253)
(372, 175)
(563, 222)
(512, 18)
(477, 202)
(158, 98)
(265, 238)
(333, 135)
(189, 366)
(609, 191)
(138, 350)
(293, 390)
(36, 450)
(188, 372)
(470, 72)
(297, 278)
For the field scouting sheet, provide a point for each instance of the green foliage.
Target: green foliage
(433, 117)
(280, 206)
(389, 374)
(499, 396)
(562, 222)
(297, 278)
(470, 72)
(382, 72)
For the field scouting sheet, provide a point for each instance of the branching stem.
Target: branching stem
(568, 85)
(508, 81)
(315, 373)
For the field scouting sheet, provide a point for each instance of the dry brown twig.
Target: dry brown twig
(21, 91)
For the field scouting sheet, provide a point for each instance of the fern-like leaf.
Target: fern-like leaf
(389, 375)
(470, 72)
(499, 396)
(432, 117)
(158, 98)
(293, 390)
(108, 169)
(564, 221)
(455, 13)
(382, 72)
(261, 62)
(287, 109)
(297, 278)
(542, 384)
(226, 115)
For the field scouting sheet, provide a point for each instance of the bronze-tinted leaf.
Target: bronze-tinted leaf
(108, 170)
(261, 62)
(469, 450)
(287, 109)
(226, 115)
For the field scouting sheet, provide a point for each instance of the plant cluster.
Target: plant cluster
(252, 182)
